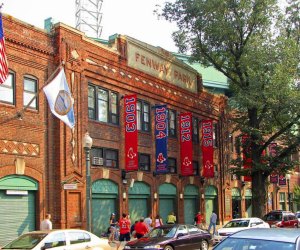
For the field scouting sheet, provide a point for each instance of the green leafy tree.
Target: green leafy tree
(255, 44)
(297, 195)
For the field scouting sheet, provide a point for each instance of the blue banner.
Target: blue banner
(161, 138)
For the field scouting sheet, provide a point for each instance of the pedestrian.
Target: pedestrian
(141, 228)
(158, 221)
(171, 219)
(132, 229)
(148, 221)
(46, 224)
(112, 227)
(124, 224)
(199, 220)
(213, 222)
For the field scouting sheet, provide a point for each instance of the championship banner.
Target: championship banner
(246, 159)
(131, 133)
(186, 144)
(272, 152)
(282, 180)
(207, 149)
(161, 139)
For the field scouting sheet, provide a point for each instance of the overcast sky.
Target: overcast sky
(134, 18)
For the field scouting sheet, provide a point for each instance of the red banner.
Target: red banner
(186, 144)
(131, 134)
(246, 159)
(207, 149)
(272, 152)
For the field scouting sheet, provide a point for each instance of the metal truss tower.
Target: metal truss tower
(88, 17)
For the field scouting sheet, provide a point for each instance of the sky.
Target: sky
(134, 18)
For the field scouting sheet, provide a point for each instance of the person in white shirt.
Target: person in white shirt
(46, 224)
(148, 221)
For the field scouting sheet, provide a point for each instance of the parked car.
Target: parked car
(71, 239)
(262, 239)
(236, 225)
(279, 218)
(170, 237)
(298, 216)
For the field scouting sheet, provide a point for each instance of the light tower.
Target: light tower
(88, 17)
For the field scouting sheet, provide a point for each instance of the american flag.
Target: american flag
(3, 60)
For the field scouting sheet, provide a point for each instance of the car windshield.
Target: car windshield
(298, 215)
(26, 241)
(167, 232)
(273, 217)
(237, 223)
(253, 244)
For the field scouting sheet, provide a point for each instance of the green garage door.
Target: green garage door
(138, 199)
(191, 203)
(104, 200)
(17, 207)
(167, 200)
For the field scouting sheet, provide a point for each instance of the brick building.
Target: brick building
(40, 154)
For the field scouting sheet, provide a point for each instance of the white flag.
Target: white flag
(59, 99)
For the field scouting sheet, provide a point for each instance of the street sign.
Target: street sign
(71, 186)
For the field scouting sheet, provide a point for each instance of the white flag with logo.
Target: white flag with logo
(59, 99)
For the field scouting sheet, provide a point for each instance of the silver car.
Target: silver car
(262, 239)
(61, 239)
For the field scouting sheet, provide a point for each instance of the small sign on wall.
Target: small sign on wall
(71, 186)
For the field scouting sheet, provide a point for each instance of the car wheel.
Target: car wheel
(168, 247)
(204, 245)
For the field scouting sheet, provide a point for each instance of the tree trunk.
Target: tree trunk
(258, 194)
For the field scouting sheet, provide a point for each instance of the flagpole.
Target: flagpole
(19, 114)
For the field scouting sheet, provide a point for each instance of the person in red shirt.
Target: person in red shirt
(141, 228)
(199, 220)
(124, 224)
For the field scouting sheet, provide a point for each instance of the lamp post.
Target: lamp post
(288, 177)
(87, 145)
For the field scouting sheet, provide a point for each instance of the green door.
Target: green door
(104, 200)
(191, 203)
(166, 205)
(17, 215)
(102, 209)
(190, 211)
(137, 208)
(209, 204)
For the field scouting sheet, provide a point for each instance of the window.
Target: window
(103, 105)
(172, 165)
(104, 157)
(144, 162)
(172, 123)
(195, 130)
(143, 116)
(30, 91)
(56, 240)
(215, 135)
(77, 237)
(282, 201)
(7, 90)
(195, 168)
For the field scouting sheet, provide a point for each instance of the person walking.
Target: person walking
(124, 224)
(213, 222)
(199, 220)
(171, 219)
(148, 221)
(141, 228)
(112, 227)
(46, 224)
(158, 221)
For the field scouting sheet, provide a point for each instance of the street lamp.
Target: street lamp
(288, 177)
(87, 145)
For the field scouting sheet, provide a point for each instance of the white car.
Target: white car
(61, 239)
(239, 224)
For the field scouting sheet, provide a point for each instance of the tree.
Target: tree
(255, 44)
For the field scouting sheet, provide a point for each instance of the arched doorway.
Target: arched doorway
(138, 200)
(191, 203)
(211, 202)
(248, 202)
(17, 206)
(236, 202)
(167, 200)
(104, 202)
